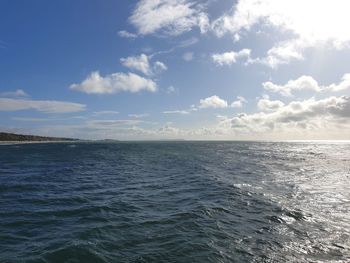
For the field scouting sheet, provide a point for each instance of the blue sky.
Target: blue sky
(176, 69)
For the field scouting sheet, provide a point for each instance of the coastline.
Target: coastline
(32, 142)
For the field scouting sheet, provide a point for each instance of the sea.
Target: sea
(178, 201)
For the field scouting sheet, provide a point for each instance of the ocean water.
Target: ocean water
(175, 202)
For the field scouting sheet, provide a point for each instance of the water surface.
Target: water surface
(175, 202)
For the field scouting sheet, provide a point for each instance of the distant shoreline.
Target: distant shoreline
(33, 142)
(12, 138)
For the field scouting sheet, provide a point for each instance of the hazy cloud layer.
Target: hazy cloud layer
(14, 94)
(46, 106)
(188, 56)
(105, 112)
(176, 112)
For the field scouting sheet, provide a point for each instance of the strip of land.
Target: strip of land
(12, 138)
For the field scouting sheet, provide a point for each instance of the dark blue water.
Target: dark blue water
(175, 202)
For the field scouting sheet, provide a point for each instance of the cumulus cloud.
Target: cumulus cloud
(265, 104)
(307, 83)
(309, 114)
(213, 102)
(239, 102)
(302, 83)
(325, 28)
(113, 83)
(46, 106)
(341, 86)
(229, 58)
(171, 17)
(141, 63)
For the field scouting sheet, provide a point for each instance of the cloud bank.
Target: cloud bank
(307, 83)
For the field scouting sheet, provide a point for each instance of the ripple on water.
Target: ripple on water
(175, 202)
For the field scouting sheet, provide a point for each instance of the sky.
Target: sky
(176, 69)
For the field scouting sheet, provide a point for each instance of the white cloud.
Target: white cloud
(139, 116)
(307, 83)
(141, 63)
(126, 34)
(183, 112)
(16, 93)
(229, 58)
(188, 56)
(192, 108)
(302, 83)
(236, 37)
(310, 23)
(307, 114)
(171, 17)
(282, 53)
(203, 22)
(213, 102)
(299, 119)
(327, 23)
(327, 118)
(265, 104)
(46, 106)
(239, 102)
(159, 67)
(343, 85)
(113, 83)
(242, 16)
